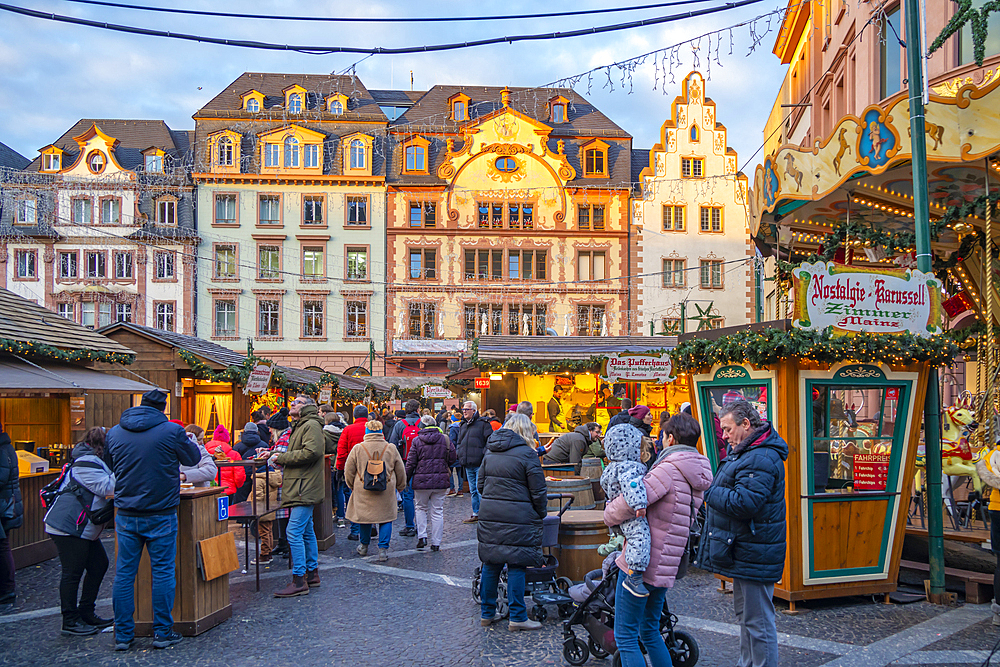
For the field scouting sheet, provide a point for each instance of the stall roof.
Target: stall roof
(207, 350)
(26, 321)
(385, 383)
(566, 348)
(20, 375)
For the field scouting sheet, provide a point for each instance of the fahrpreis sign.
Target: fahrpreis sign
(853, 299)
(638, 368)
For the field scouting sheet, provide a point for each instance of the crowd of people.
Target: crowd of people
(411, 461)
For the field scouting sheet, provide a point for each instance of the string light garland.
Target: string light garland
(28, 348)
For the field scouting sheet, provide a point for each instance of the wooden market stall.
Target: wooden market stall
(45, 382)
(850, 411)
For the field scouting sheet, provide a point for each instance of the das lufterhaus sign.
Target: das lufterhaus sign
(637, 368)
(853, 299)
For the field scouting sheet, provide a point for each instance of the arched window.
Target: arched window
(225, 152)
(294, 103)
(358, 157)
(416, 158)
(694, 133)
(506, 164)
(336, 107)
(291, 152)
(252, 105)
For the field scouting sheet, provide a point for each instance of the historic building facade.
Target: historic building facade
(100, 226)
(690, 226)
(507, 215)
(291, 194)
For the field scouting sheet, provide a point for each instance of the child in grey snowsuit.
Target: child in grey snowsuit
(623, 476)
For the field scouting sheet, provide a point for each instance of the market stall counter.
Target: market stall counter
(206, 554)
(29, 543)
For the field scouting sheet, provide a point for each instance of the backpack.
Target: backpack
(409, 433)
(375, 476)
(48, 493)
(75, 500)
(331, 440)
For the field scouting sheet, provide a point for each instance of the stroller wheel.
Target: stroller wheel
(575, 651)
(563, 584)
(538, 613)
(684, 651)
(596, 650)
(476, 581)
(565, 611)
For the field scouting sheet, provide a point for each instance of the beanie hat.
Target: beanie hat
(360, 412)
(250, 426)
(155, 398)
(221, 433)
(279, 420)
(639, 412)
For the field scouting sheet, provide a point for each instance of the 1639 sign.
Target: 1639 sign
(853, 299)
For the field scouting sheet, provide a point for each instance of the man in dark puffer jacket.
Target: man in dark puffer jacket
(11, 515)
(513, 491)
(744, 535)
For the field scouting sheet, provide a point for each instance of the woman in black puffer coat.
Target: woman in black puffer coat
(513, 491)
(11, 515)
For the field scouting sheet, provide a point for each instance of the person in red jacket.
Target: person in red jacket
(351, 435)
(231, 478)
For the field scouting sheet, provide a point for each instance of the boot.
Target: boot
(996, 612)
(74, 626)
(90, 618)
(312, 578)
(297, 587)
(383, 555)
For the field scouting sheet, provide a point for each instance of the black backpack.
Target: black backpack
(50, 491)
(375, 477)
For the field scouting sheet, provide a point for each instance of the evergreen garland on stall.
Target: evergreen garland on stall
(33, 349)
(966, 13)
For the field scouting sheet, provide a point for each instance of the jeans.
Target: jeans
(355, 527)
(515, 591)
(77, 555)
(339, 497)
(754, 606)
(384, 534)
(302, 540)
(995, 546)
(433, 500)
(6, 566)
(408, 508)
(639, 619)
(472, 474)
(158, 534)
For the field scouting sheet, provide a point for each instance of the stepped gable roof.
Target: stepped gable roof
(229, 102)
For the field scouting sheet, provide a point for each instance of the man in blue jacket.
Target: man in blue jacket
(744, 535)
(147, 450)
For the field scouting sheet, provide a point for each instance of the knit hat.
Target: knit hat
(360, 412)
(279, 420)
(221, 433)
(639, 412)
(155, 398)
(251, 427)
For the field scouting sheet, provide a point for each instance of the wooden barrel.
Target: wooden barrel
(559, 469)
(578, 487)
(591, 467)
(595, 484)
(580, 533)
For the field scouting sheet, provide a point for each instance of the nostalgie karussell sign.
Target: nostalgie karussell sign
(638, 368)
(853, 299)
(259, 378)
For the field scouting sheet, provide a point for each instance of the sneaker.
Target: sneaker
(487, 622)
(263, 560)
(383, 555)
(163, 641)
(450, 494)
(362, 550)
(421, 543)
(354, 537)
(633, 584)
(435, 547)
(78, 628)
(514, 626)
(90, 618)
(408, 532)
(472, 519)
(341, 523)
(122, 645)
(458, 494)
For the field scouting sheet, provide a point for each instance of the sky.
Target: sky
(53, 74)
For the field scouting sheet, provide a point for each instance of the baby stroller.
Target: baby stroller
(540, 583)
(595, 612)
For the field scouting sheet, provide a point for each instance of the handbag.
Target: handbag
(690, 549)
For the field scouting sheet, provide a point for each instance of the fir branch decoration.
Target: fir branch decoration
(31, 349)
(980, 27)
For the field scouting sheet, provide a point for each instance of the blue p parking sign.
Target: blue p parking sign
(224, 508)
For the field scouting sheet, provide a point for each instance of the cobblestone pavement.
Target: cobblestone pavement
(417, 609)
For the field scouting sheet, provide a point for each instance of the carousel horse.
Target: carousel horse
(957, 456)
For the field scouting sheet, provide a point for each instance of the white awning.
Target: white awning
(23, 376)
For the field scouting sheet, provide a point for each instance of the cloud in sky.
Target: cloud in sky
(53, 74)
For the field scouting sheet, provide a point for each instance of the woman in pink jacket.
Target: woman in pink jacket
(674, 489)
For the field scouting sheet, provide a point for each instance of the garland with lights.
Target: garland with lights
(768, 346)
(28, 348)
(588, 365)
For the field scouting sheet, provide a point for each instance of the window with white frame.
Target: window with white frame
(105, 312)
(225, 152)
(111, 211)
(67, 310)
(269, 210)
(673, 218)
(269, 262)
(268, 318)
(225, 317)
(97, 265)
(253, 106)
(68, 269)
(294, 103)
(359, 155)
(154, 163)
(313, 318)
(313, 263)
(82, 211)
(123, 312)
(88, 314)
(357, 211)
(166, 211)
(692, 167)
(357, 263)
(272, 155)
(312, 210)
(357, 319)
(26, 264)
(164, 316)
(711, 219)
(291, 153)
(310, 155)
(51, 162)
(164, 265)
(225, 209)
(123, 265)
(27, 211)
(336, 107)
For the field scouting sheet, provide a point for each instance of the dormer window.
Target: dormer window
(359, 156)
(557, 109)
(96, 161)
(459, 106)
(225, 155)
(695, 135)
(294, 103)
(291, 152)
(51, 162)
(154, 163)
(595, 159)
(415, 152)
(253, 106)
(336, 107)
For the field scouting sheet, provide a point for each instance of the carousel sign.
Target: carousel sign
(853, 300)
(638, 368)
